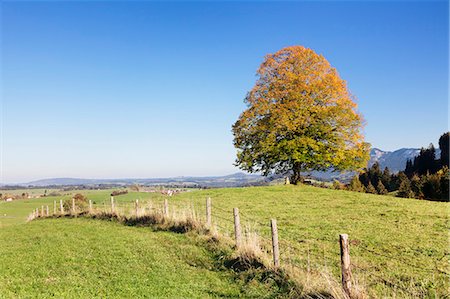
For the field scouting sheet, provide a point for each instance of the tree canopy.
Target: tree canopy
(300, 116)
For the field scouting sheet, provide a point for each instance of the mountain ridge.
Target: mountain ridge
(395, 160)
(234, 179)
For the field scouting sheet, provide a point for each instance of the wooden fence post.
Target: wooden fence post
(136, 207)
(208, 212)
(275, 248)
(166, 207)
(37, 212)
(237, 227)
(54, 207)
(345, 264)
(61, 207)
(42, 211)
(47, 212)
(112, 205)
(73, 204)
(90, 206)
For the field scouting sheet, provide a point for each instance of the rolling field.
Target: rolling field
(397, 245)
(81, 258)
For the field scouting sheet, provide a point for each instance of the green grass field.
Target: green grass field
(81, 258)
(397, 245)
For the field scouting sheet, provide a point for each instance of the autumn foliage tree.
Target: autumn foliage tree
(300, 117)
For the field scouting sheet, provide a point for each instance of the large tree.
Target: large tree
(300, 117)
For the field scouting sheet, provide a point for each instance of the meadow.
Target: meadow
(80, 258)
(398, 247)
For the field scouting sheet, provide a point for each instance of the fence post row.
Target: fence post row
(343, 238)
(208, 212)
(166, 207)
(136, 207)
(275, 248)
(345, 264)
(237, 227)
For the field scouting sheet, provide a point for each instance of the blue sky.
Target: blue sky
(151, 89)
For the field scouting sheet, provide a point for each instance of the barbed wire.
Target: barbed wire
(220, 209)
(404, 261)
(293, 246)
(384, 280)
(219, 226)
(249, 218)
(222, 218)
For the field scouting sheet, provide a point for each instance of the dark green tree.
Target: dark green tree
(356, 185)
(371, 189)
(405, 188)
(364, 177)
(416, 186)
(426, 162)
(395, 180)
(381, 189)
(409, 169)
(444, 147)
(431, 186)
(386, 179)
(375, 173)
(444, 173)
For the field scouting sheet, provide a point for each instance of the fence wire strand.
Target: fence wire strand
(295, 253)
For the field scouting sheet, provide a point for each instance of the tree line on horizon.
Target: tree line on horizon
(424, 177)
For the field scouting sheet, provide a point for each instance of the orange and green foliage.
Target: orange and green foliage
(300, 117)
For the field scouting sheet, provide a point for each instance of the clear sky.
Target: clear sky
(151, 89)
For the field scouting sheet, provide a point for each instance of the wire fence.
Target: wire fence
(305, 254)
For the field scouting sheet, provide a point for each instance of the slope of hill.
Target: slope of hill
(80, 258)
(309, 222)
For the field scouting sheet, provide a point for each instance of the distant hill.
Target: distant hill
(233, 180)
(395, 161)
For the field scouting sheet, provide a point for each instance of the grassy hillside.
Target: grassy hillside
(80, 258)
(397, 245)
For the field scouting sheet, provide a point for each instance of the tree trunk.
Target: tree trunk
(296, 177)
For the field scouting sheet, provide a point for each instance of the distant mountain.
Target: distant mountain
(396, 160)
(233, 180)
(62, 181)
